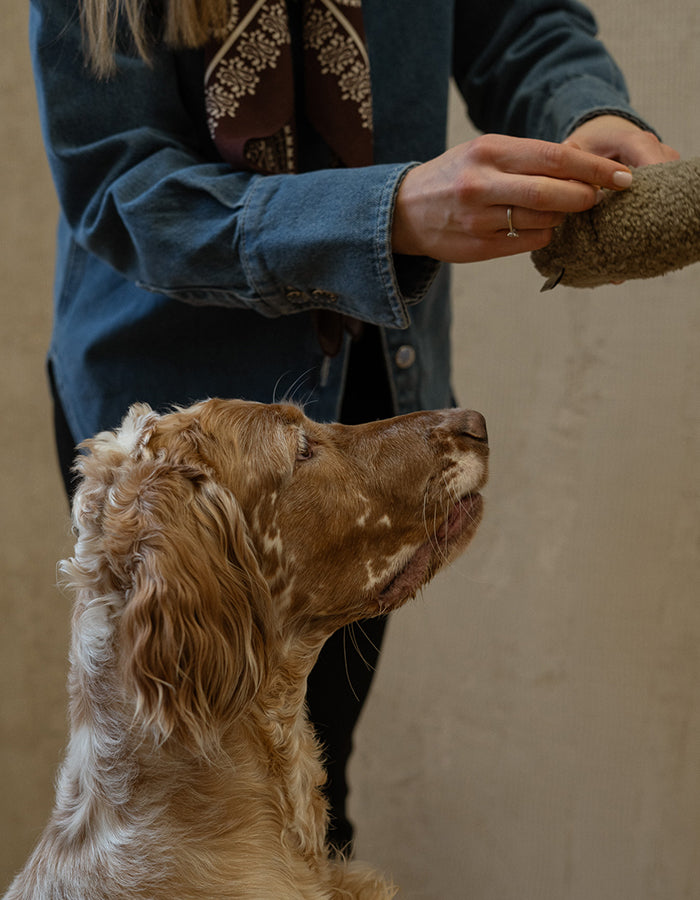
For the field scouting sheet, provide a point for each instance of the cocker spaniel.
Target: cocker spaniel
(217, 549)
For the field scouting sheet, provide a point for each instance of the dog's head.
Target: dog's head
(225, 531)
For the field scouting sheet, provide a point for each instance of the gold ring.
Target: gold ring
(512, 232)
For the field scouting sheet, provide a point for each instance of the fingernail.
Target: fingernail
(599, 197)
(622, 179)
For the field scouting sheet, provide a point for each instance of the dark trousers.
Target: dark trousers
(340, 681)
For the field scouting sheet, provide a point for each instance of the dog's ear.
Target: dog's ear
(193, 627)
(102, 466)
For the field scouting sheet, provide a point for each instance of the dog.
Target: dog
(218, 547)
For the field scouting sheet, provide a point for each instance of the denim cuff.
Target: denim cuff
(610, 111)
(412, 276)
(322, 240)
(580, 99)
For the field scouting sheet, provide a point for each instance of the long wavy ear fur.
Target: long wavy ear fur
(191, 632)
(192, 628)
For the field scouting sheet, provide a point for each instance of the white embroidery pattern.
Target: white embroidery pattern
(232, 78)
(342, 54)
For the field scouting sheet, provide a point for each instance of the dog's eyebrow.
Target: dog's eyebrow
(290, 417)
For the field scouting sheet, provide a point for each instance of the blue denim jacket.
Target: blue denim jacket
(177, 278)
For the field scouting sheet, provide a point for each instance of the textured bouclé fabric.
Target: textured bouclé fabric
(648, 230)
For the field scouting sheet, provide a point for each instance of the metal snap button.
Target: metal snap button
(405, 356)
(328, 296)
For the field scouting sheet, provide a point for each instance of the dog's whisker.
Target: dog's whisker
(289, 394)
(358, 626)
(348, 676)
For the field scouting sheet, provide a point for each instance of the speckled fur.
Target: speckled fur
(217, 548)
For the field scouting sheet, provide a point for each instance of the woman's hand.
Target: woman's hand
(620, 139)
(454, 208)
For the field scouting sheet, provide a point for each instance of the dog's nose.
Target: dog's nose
(473, 425)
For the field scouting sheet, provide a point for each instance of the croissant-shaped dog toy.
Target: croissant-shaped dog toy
(649, 229)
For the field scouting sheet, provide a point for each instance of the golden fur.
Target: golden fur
(217, 548)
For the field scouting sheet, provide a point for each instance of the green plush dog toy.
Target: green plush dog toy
(651, 228)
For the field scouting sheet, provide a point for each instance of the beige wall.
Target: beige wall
(535, 727)
(33, 525)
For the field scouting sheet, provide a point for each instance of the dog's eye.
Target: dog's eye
(305, 449)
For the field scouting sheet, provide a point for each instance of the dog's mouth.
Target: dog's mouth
(450, 539)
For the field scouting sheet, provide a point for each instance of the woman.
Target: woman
(256, 201)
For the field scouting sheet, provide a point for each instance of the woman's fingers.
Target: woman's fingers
(500, 245)
(561, 162)
(522, 219)
(496, 218)
(454, 208)
(618, 138)
(545, 194)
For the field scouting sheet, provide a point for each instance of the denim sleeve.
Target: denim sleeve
(142, 190)
(534, 68)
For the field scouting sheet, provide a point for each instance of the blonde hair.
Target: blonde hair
(179, 23)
